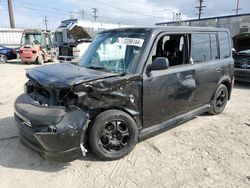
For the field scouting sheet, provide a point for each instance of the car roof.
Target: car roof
(168, 29)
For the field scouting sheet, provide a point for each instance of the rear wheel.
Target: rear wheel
(113, 135)
(53, 57)
(3, 58)
(40, 60)
(220, 99)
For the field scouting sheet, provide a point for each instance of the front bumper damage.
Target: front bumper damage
(55, 132)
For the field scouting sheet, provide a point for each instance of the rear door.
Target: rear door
(166, 93)
(208, 66)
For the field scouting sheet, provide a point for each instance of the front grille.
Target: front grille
(38, 93)
(242, 74)
(242, 62)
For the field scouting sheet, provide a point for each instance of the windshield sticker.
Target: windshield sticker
(131, 41)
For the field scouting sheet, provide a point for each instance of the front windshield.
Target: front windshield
(31, 39)
(113, 52)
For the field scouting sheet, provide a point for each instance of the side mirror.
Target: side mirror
(159, 63)
(233, 51)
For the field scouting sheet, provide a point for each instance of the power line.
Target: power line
(41, 5)
(128, 11)
(200, 8)
(95, 10)
(46, 22)
(47, 11)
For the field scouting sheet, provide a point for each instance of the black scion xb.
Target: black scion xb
(131, 84)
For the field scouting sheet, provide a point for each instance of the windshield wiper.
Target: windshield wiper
(96, 68)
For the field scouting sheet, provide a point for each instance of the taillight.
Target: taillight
(34, 51)
(21, 51)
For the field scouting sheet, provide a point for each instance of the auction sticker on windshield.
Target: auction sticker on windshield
(131, 41)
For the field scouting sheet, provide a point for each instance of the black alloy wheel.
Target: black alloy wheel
(112, 135)
(220, 99)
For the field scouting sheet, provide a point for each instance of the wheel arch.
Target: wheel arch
(227, 81)
(131, 113)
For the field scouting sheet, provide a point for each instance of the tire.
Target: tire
(219, 101)
(112, 135)
(3, 58)
(53, 57)
(40, 60)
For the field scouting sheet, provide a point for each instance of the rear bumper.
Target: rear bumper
(56, 133)
(28, 58)
(242, 74)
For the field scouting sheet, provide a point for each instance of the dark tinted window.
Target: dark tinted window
(201, 47)
(224, 45)
(173, 47)
(214, 46)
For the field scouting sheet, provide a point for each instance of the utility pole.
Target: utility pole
(200, 8)
(95, 10)
(71, 15)
(11, 15)
(46, 22)
(237, 7)
(82, 13)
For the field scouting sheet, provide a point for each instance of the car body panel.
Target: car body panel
(242, 60)
(8, 52)
(69, 75)
(156, 100)
(36, 129)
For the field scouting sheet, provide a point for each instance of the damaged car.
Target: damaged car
(131, 84)
(242, 57)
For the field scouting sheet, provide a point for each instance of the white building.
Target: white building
(10, 37)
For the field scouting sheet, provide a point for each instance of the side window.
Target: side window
(201, 51)
(224, 45)
(214, 46)
(172, 47)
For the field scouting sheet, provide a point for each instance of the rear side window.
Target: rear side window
(201, 51)
(224, 45)
(214, 46)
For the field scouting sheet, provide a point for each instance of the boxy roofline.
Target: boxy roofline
(168, 29)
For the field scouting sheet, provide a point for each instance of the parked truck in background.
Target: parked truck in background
(73, 37)
(76, 41)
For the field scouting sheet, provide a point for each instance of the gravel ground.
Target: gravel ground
(208, 151)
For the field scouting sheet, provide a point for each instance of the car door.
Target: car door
(166, 93)
(205, 56)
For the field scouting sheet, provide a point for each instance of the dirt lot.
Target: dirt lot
(209, 151)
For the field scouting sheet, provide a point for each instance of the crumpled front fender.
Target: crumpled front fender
(56, 133)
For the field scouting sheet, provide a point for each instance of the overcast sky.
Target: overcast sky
(29, 14)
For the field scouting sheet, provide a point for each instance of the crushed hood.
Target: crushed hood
(65, 75)
(242, 42)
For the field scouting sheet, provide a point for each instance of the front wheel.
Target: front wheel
(3, 58)
(113, 135)
(220, 99)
